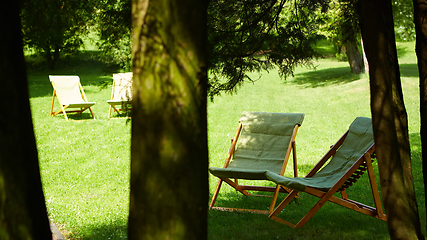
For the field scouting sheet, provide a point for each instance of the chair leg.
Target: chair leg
(284, 203)
(53, 100)
(314, 209)
(57, 112)
(344, 194)
(93, 116)
(116, 110)
(64, 112)
(306, 218)
(273, 202)
(374, 187)
(214, 197)
(237, 187)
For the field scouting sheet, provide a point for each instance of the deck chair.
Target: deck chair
(263, 141)
(351, 157)
(121, 93)
(70, 95)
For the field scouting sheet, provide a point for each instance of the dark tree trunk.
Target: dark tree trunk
(420, 19)
(55, 57)
(389, 120)
(354, 58)
(365, 60)
(22, 206)
(169, 158)
(52, 59)
(48, 56)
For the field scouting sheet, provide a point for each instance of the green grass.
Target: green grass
(85, 164)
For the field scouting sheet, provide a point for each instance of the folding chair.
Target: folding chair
(351, 157)
(263, 142)
(121, 93)
(70, 94)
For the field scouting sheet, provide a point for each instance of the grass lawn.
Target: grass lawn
(85, 164)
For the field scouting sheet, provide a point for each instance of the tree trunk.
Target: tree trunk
(420, 14)
(22, 206)
(169, 158)
(354, 58)
(55, 57)
(389, 120)
(48, 56)
(365, 60)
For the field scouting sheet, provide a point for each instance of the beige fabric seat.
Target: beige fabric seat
(70, 94)
(121, 93)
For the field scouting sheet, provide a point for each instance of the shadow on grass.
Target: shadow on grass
(408, 70)
(341, 75)
(107, 231)
(76, 116)
(124, 115)
(325, 77)
(330, 222)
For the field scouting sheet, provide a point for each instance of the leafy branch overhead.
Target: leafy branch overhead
(258, 35)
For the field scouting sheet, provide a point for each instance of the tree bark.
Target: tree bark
(389, 120)
(169, 158)
(365, 60)
(354, 58)
(48, 57)
(22, 205)
(55, 57)
(420, 14)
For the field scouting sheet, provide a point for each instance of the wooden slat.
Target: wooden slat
(262, 188)
(240, 210)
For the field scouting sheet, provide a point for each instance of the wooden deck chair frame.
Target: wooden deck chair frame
(363, 164)
(63, 108)
(245, 188)
(123, 103)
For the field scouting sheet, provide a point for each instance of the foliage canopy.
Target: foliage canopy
(114, 27)
(257, 35)
(53, 26)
